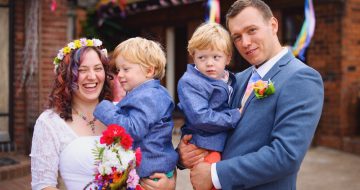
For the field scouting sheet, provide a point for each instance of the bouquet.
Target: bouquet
(115, 161)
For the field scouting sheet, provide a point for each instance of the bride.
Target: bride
(65, 134)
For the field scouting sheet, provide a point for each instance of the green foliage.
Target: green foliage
(98, 152)
(106, 28)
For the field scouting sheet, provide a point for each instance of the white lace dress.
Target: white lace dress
(56, 147)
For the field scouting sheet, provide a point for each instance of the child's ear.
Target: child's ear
(150, 72)
(228, 60)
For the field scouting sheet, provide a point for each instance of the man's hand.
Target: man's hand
(164, 183)
(200, 176)
(190, 155)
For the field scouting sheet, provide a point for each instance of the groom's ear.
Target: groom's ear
(274, 25)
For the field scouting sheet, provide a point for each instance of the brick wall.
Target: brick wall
(19, 102)
(324, 55)
(30, 99)
(53, 35)
(350, 68)
(333, 52)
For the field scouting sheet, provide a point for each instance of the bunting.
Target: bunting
(307, 31)
(214, 11)
(53, 5)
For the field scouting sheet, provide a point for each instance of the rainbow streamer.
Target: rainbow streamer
(214, 11)
(307, 31)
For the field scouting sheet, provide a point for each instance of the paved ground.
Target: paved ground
(329, 169)
(322, 168)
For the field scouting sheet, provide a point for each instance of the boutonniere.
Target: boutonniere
(263, 89)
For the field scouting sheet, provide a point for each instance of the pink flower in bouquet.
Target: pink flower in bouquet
(133, 179)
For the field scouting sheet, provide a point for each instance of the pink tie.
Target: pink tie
(249, 88)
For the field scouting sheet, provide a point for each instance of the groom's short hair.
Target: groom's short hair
(240, 5)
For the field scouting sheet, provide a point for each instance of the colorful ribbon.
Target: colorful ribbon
(214, 11)
(307, 31)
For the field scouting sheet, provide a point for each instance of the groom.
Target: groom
(267, 147)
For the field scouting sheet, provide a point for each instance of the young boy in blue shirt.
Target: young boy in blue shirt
(146, 110)
(206, 88)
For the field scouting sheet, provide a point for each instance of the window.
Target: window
(4, 70)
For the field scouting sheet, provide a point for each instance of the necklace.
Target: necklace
(91, 123)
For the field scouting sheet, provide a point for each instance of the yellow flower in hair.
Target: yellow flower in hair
(77, 44)
(89, 43)
(66, 50)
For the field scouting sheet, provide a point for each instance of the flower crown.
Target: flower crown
(76, 44)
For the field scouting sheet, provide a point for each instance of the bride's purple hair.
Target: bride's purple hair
(66, 77)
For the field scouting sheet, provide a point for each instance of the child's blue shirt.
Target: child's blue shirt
(146, 114)
(204, 102)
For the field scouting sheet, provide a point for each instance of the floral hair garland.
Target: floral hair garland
(76, 44)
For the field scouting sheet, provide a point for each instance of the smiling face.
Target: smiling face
(131, 75)
(254, 37)
(211, 62)
(91, 78)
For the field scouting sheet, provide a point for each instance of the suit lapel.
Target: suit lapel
(277, 67)
(271, 74)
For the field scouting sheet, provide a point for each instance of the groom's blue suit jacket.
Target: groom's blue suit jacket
(267, 147)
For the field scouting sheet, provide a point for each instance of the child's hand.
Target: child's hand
(118, 91)
(164, 183)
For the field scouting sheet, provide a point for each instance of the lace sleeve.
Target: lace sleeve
(45, 153)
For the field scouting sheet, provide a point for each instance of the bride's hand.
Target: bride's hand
(164, 183)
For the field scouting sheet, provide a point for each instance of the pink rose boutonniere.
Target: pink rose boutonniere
(263, 89)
